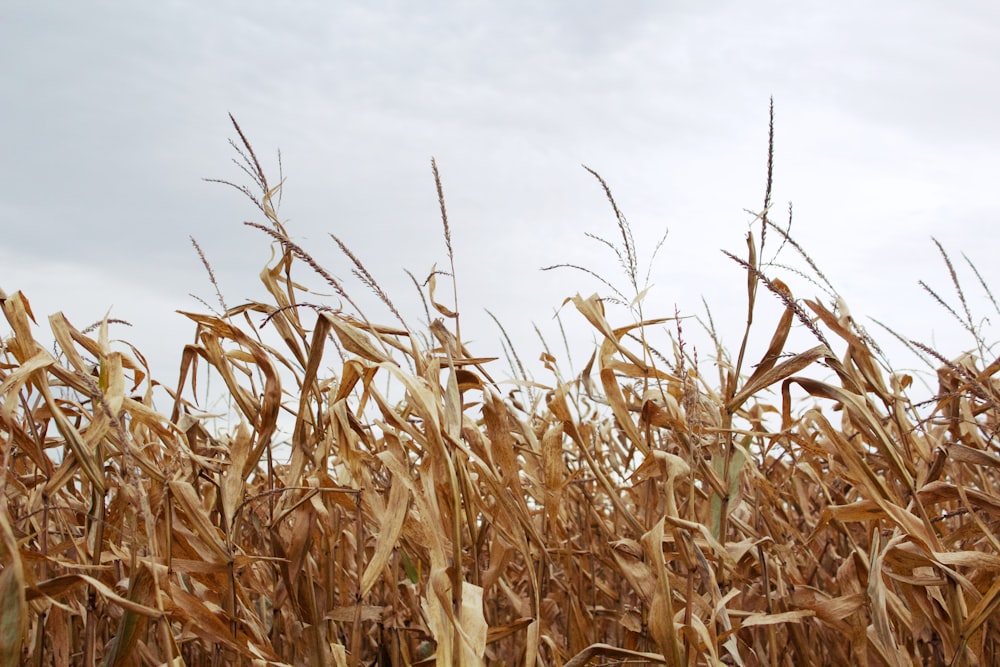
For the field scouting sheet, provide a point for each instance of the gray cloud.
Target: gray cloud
(115, 113)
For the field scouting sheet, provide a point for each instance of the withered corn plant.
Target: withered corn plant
(800, 510)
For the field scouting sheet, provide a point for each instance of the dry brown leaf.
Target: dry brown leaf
(191, 507)
(390, 526)
(13, 605)
(775, 619)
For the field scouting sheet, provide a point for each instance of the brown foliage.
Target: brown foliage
(645, 519)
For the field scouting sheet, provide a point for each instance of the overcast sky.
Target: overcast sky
(114, 112)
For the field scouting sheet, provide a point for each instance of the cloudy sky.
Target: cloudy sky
(113, 114)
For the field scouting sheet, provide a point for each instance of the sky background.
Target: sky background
(113, 113)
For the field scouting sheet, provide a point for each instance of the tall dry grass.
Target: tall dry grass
(638, 513)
